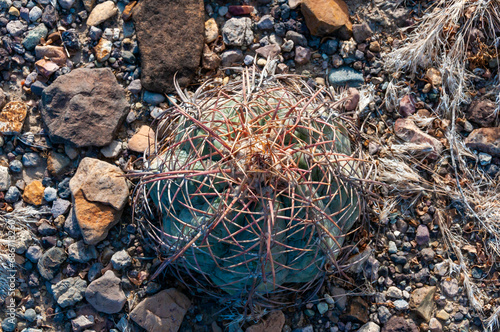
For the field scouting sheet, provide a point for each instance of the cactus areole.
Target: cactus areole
(251, 187)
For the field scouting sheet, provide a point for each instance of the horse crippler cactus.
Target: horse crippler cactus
(251, 188)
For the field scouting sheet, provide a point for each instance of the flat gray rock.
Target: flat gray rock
(105, 294)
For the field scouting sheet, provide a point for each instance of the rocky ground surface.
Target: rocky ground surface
(81, 83)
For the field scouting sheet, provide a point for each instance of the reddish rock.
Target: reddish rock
(422, 301)
(274, 322)
(409, 132)
(302, 55)
(407, 105)
(161, 312)
(482, 112)
(127, 12)
(46, 68)
(485, 140)
(12, 117)
(399, 324)
(269, 51)
(352, 99)
(240, 10)
(324, 17)
(55, 54)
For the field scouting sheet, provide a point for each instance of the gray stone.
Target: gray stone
(112, 150)
(400, 305)
(16, 166)
(266, 23)
(297, 38)
(60, 207)
(81, 252)
(237, 31)
(15, 28)
(345, 76)
(30, 315)
(31, 159)
(33, 37)
(50, 194)
(340, 297)
(35, 13)
(450, 287)
(5, 181)
(105, 294)
(37, 88)
(82, 103)
(9, 324)
(177, 27)
(302, 55)
(422, 236)
(361, 32)
(81, 323)
(369, 327)
(153, 98)
(12, 195)
(121, 260)
(5, 4)
(394, 292)
(70, 291)
(34, 253)
(231, 57)
(71, 226)
(66, 4)
(135, 87)
(49, 263)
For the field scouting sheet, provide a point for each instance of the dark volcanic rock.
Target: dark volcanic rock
(84, 107)
(171, 38)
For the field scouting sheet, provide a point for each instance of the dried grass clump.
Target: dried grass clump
(252, 189)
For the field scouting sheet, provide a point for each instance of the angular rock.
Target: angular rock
(105, 294)
(270, 51)
(422, 301)
(324, 17)
(34, 36)
(422, 236)
(400, 305)
(409, 132)
(12, 117)
(100, 193)
(237, 31)
(486, 140)
(161, 312)
(369, 327)
(81, 323)
(101, 13)
(60, 207)
(450, 287)
(177, 27)
(482, 112)
(33, 193)
(399, 324)
(81, 253)
(46, 68)
(71, 225)
(231, 57)
(142, 140)
(70, 291)
(361, 32)
(302, 55)
(112, 150)
(121, 260)
(57, 163)
(273, 322)
(82, 103)
(55, 54)
(49, 263)
(103, 50)
(353, 99)
(210, 60)
(435, 325)
(240, 10)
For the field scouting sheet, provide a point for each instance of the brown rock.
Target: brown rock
(46, 67)
(84, 108)
(211, 31)
(103, 49)
(269, 51)
(358, 311)
(55, 54)
(399, 324)
(101, 13)
(211, 60)
(3, 98)
(274, 322)
(177, 27)
(57, 163)
(485, 140)
(142, 140)
(409, 132)
(12, 117)
(407, 105)
(33, 193)
(352, 99)
(94, 219)
(162, 312)
(100, 182)
(127, 12)
(324, 17)
(374, 46)
(434, 76)
(482, 112)
(361, 32)
(422, 301)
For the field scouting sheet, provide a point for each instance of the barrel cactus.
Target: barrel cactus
(251, 188)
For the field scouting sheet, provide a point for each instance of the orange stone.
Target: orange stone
(127, 12)
(12, 117)
(142, 140)
(324, 17)
(95, 219)
(33, 193)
